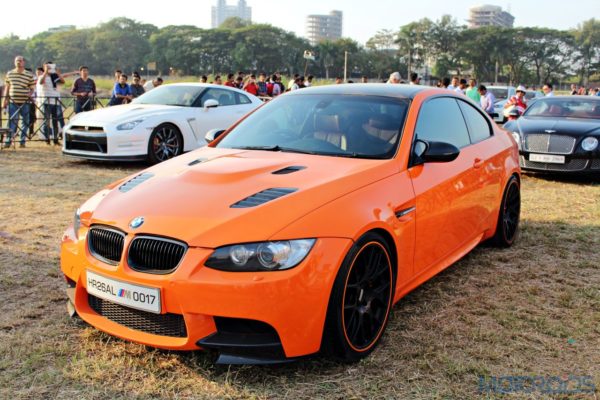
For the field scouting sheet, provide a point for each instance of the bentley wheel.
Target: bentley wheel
(507, 228)
(165, 142)
(361, 300)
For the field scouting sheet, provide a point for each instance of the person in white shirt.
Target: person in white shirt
(48, 99)
(487, 100)
(454, 83)
(154, 83)
(547, 89)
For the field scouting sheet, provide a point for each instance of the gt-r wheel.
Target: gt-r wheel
(361, 300)
(507, 228)
(165, 142)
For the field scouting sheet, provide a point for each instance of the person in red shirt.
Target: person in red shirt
(230, 81)
(250, 86)
(516, 103)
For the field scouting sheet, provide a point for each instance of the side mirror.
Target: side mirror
(213, 134)
(428, 151)
(211, 103)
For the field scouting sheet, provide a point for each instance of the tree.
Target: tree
(587, 38)
(414, 43)
(381, 54)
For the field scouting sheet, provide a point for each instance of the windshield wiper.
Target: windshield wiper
(265, 148)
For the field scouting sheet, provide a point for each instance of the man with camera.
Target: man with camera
(49, 96)
(17, 95)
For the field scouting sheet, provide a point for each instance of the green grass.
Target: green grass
(533, 309)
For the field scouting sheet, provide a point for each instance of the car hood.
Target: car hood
(121, 113)
(194, 202)
(571, 126)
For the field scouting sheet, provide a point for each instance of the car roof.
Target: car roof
(365, 89)
(570, 97)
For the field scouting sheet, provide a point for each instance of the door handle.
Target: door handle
(477, 163)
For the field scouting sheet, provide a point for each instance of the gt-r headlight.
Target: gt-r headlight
(127, 126)
(262, 256)
(589, 143)
(517, 138)
(77, 222)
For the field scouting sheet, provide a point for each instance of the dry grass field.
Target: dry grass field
(532, 310)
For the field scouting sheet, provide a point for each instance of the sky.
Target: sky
(362, 19)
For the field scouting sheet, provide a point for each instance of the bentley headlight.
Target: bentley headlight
(77, 222)
(262, 256)
(589, 143)
(127, 126)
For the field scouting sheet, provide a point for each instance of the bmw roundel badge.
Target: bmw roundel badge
(136, 222)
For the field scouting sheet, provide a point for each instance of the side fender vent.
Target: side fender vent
(263, 197)
(136, 180)
(197, 161)
(289, 170)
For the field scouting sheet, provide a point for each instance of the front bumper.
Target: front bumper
(106, 143)
(574, 163)
(292, 302)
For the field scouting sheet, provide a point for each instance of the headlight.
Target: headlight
(77, 222)
(263, 256)
(517, 139)
(589, 143)
(127, 126)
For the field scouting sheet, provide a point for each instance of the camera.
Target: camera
(52, 68)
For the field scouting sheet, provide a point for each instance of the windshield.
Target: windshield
(567, 108)
(499, 93)
(170, 95)
(345, 126)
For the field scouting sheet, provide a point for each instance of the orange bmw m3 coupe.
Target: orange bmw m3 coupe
(296, 230)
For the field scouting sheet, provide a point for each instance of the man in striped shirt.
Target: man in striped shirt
(17, 93)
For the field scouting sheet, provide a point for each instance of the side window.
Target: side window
(242, 99)
(479, 127)
(224, 97)
(440, 120)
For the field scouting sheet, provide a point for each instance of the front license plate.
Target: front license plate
(547, 158)
(135, 296)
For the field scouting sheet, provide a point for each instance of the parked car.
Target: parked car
(559, 134)
(296, 230)
(158, 125)
(502, 94)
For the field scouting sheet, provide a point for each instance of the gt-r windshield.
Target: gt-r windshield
(171, 95)
(575, 107)
(344, 126)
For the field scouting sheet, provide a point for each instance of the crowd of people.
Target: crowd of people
(27, 97)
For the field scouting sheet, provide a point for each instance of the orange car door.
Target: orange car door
(447, 193)
(491, 166)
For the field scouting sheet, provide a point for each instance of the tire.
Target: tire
(165, 142)
(360, 301)
(507, 228)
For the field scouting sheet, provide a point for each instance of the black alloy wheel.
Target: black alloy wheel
(508, 218)
(165, 142)
(361, 300)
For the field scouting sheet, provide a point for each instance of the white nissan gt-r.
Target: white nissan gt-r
(158, 125)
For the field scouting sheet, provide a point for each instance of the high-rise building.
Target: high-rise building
(222, 11)
(488, 15)
(324, 27)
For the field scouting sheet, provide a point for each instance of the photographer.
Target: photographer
(84, 88)
(49, 96)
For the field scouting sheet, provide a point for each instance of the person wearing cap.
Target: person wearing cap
(394, 77)
(517, 103)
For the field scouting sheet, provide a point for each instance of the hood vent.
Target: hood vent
(263, 197)
(136, 180)
(289, 170)
(197, 161)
